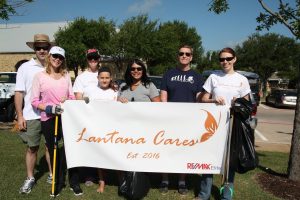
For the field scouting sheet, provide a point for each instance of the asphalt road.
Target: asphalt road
(275, 127)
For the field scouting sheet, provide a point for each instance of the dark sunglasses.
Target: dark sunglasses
(45, 48)
(185, 53)
(55, 56)
(227, 59)
(93, 57)
(136, 68)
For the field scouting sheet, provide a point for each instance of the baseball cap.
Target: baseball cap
(57, 50)
(92, 54)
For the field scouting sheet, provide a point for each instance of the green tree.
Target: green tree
(135, 39)
(82, 34)
(290, 17)
(210, 61)
(267, 54)
(8, 7)
(169, 37)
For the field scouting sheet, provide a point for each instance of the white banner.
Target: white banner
(149, 137)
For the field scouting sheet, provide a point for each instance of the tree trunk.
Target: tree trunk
(294, 160)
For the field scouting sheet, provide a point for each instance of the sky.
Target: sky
(216, 31)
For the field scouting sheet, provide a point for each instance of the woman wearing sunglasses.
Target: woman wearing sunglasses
(137, 86)
(82, 82)
(88, 77)
(49, 89)
(222, 88)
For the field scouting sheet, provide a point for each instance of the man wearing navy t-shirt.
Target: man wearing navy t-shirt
(181, 84)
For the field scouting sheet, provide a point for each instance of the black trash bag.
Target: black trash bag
(242, 152)
(135, 185)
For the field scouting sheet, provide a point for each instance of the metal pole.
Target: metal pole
(54, 156)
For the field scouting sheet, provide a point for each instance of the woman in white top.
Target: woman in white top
(88, 77)
(82, 82)
(223, 88)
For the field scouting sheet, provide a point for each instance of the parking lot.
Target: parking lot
(275, 127)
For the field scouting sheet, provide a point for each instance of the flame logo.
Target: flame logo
(211, 126)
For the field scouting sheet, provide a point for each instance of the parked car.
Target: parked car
(156, 81)
(7, 93)
(254, 82)
(253, 118)
(282, 98)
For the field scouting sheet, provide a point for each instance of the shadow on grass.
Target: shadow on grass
(111, 178)
(41, 168)
(270, 171)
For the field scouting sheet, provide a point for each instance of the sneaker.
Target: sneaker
(56, 194)
(182, 189)
(77, 190)
(57, 190)
(163, 188)
(27, 186)
(89, 183)
(49, 179)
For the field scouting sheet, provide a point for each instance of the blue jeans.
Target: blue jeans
(206, 181)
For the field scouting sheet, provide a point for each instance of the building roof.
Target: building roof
(14, 36)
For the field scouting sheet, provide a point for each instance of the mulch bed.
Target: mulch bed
(279, 185)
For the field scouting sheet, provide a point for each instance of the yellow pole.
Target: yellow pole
(54, 155)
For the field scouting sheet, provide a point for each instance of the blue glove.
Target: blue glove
(55, 110)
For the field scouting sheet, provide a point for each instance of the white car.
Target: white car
(7, 93)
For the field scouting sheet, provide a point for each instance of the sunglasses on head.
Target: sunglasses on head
(136, 68)
(45, 48)
(187, 54)
(227, 59)
(55, 56)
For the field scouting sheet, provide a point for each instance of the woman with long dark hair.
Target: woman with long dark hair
(137, 86)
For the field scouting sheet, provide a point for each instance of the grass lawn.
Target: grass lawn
(13, 173)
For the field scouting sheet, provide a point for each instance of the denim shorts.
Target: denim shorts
(32, 136)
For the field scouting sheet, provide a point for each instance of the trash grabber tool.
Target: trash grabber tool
(225, 182)
(54, 156)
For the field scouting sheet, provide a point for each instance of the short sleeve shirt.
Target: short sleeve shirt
(25, 76)
(85, 80)
(182, 86)
(227, 85)
(94, 92)
(141, 93)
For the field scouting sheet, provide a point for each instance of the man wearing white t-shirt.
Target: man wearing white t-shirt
(28, 117)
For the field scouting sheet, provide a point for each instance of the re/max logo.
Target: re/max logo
(198, 166)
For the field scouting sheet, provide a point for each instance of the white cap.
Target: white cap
(57, 50)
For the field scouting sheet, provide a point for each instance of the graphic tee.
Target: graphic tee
(182, 86)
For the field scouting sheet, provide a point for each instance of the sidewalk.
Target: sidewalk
(275, 147)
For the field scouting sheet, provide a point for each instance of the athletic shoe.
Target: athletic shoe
(57, 190)
(54, 195)
(49, 179)
(76, 189)
(89, 183)
(182, 189)
(27, 186)
(163, 188)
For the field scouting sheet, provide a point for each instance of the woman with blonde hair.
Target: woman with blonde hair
(50, 88)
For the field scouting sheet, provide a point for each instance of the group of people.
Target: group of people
(44, 84)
